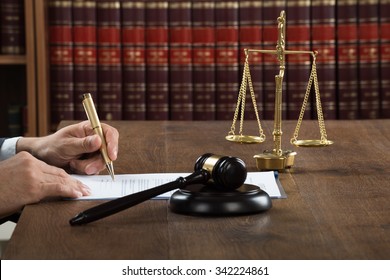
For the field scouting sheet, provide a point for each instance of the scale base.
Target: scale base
(208, 200)
(268, 160)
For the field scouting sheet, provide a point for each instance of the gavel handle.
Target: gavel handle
(114, 206)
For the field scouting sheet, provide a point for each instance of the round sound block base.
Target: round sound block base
(209, 200)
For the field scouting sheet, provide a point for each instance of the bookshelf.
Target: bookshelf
(23, 78)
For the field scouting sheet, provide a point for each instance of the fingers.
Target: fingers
(77, 146)
(112, 138)
(92, 143)
(58, 183)
(89, 166)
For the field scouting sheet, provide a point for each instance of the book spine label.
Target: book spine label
(368, 35)
(61, 62)
(203, 55)
(323, 36)
(180, 60)
(250, 37)
(85, 54)
(133, 57)
(270, 12)
(12, 31)
(157, 75)
(347, 59)
(384, 25)
(227, 76)
(109, 71)
(298, 66)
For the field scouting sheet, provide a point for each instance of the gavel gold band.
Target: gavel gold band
(210, 163)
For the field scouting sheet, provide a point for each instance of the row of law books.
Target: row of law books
(183, 60)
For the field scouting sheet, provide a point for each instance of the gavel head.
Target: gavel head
(228, 173)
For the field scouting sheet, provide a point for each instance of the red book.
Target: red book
(323, 36)
(61, 62)
(347, 59)
(12, 34)
(368, 35)
(133, 59)
(203, 59)
(180, 60)
(84, 51)
(109, 101)
(384, 25)
(227, 74)
(298, 65)
(157, 99)
(250, 37)
(271, 12)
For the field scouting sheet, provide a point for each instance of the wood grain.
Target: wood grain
(337, 206)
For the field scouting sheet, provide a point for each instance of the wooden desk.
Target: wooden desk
(338, 204)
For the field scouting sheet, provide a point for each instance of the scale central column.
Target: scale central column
(277, 159)
(277, 133)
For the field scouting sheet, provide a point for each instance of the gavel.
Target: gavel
(225, 172)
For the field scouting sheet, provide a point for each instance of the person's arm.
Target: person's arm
(37, 172)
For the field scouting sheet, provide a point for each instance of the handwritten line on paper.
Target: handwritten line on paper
(102, 186)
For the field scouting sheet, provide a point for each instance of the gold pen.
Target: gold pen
(89, 108)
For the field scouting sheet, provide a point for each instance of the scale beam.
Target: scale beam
(285, 52)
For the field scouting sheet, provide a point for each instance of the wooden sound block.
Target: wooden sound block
(209, 200)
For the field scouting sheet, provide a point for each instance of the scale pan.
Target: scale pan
(245, 139)
(312, 143)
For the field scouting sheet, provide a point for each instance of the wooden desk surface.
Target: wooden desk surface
(337, 206)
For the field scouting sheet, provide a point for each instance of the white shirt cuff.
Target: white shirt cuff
(8, 149)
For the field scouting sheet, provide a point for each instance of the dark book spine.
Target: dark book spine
(12, 34)
(368, 35)
(61, 62)
(157, 99)
(85, 54)
(347, 59)
(203, 59)
(15, 120)
(180, 60)
(133, 58)
(323, 36)
(250, 37)
(271, 11)
(298, 65)
(384, 18)
(109, 101)
(227, 74)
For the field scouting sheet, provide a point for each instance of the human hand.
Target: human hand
(25, 179)
(75, 147)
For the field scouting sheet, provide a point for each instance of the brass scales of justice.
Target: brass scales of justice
(278, 159)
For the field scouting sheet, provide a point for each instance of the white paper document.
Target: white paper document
(102, 186)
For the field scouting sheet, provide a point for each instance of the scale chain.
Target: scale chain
(321, 123)
(253, 97)
(246, 82)
(241, 96)
(303, 108)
